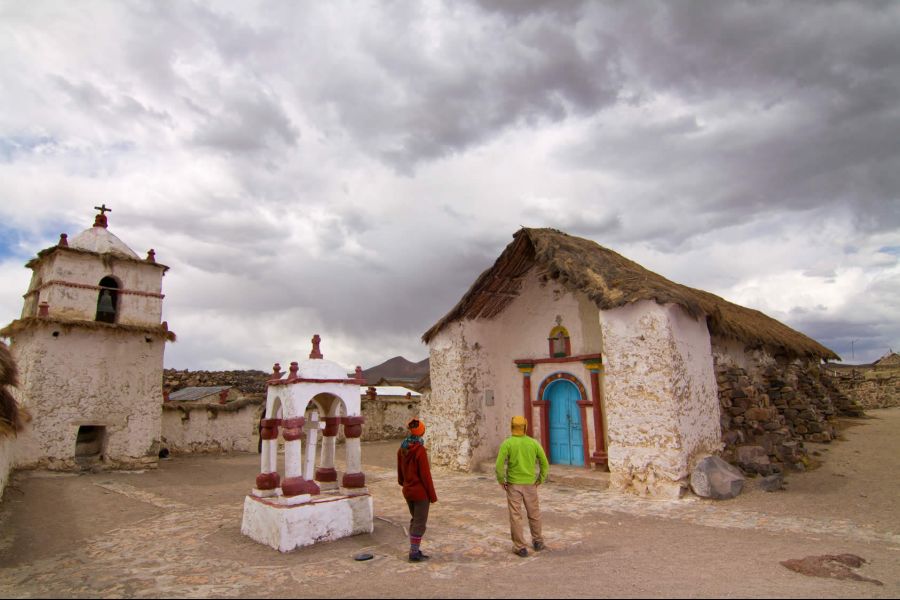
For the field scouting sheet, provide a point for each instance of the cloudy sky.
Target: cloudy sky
(349, 168)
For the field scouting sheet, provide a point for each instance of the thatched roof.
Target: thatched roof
(610, 281)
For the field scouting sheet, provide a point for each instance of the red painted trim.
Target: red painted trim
(301, 380)
(320, 500)
(86, 286)
(326, 474)
(268, 430)
(582, 404)
(331, 426)
(600, 455)
(355, 420)
(353, 480)
(296, 486)
(526, 403)
(562, 359)
(545, 424)
(267, 481)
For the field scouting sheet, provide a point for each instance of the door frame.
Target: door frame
(582, 407)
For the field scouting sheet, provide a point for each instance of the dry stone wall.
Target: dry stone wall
(768, 411)
(248, 382)
(869, 387)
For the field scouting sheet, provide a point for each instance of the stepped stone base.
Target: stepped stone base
(325, 518)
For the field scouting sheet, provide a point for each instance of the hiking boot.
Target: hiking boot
(538, 546)
(418, 556)
(523, 552)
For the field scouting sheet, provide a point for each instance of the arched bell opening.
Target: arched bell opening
(108, 300)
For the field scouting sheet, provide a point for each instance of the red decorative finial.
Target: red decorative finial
(63, 241)
(276, 371)
(100, 220)
(295, 367)
(316, 353)
(151, 255)
(359, 374)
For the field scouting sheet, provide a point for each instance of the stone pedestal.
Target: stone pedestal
(323, 519)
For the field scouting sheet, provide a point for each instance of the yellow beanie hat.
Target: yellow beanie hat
(518, 425)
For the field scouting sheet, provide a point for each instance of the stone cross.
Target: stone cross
(311, 427)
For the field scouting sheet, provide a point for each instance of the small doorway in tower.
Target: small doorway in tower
(89, 444)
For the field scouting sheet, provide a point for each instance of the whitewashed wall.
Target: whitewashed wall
(661, 398)
(197, 429)
(81, 303)
(471, 357)
(103, 377)
(7, 449)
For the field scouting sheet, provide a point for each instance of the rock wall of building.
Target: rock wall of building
(387, 416)
(775, 405)
(661, 402)
(248, 381)
(72, 377)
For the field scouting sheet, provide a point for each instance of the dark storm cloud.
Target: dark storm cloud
(247, 123)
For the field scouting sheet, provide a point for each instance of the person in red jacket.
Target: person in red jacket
(414, 474)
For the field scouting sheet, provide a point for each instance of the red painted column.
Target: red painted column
(354, 478)
(600, 456)
(527, 411)
(325, 472)
(582, 409)
(294, 484)
(269, 433)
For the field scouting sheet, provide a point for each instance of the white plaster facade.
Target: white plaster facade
(199, 429)
(472, 364)
(81, 377)
(7, 447)
(661, 397)
(658, 396)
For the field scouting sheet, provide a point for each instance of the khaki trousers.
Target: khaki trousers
(516, 496)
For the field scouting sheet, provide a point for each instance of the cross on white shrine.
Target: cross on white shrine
(311, 427)
(102, 208)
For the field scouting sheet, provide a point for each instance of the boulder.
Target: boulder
(772, 483)
(714, 478)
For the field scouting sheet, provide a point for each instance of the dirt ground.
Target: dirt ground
(175, 532)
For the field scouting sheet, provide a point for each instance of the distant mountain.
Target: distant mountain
(396, 368)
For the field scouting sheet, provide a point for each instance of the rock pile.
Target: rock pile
(766, 418)
(248, 382)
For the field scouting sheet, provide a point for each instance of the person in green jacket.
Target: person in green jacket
(515, 467)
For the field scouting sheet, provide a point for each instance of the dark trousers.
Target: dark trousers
(418, 509)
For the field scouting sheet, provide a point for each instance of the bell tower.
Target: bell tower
(89, 345)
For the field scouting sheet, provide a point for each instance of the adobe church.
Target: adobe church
(613, 365)
(89, 346)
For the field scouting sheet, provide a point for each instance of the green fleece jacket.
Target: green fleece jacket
(522, 453)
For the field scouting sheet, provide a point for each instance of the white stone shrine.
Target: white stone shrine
(309, 505)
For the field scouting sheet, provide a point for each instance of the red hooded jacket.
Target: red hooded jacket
(414, 474)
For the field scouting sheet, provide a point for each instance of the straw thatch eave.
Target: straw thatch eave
(610, 281)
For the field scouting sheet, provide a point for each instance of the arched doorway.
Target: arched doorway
(566, 442)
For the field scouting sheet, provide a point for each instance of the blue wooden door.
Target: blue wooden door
(566, 447)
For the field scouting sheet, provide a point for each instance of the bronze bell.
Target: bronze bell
(106, 304)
